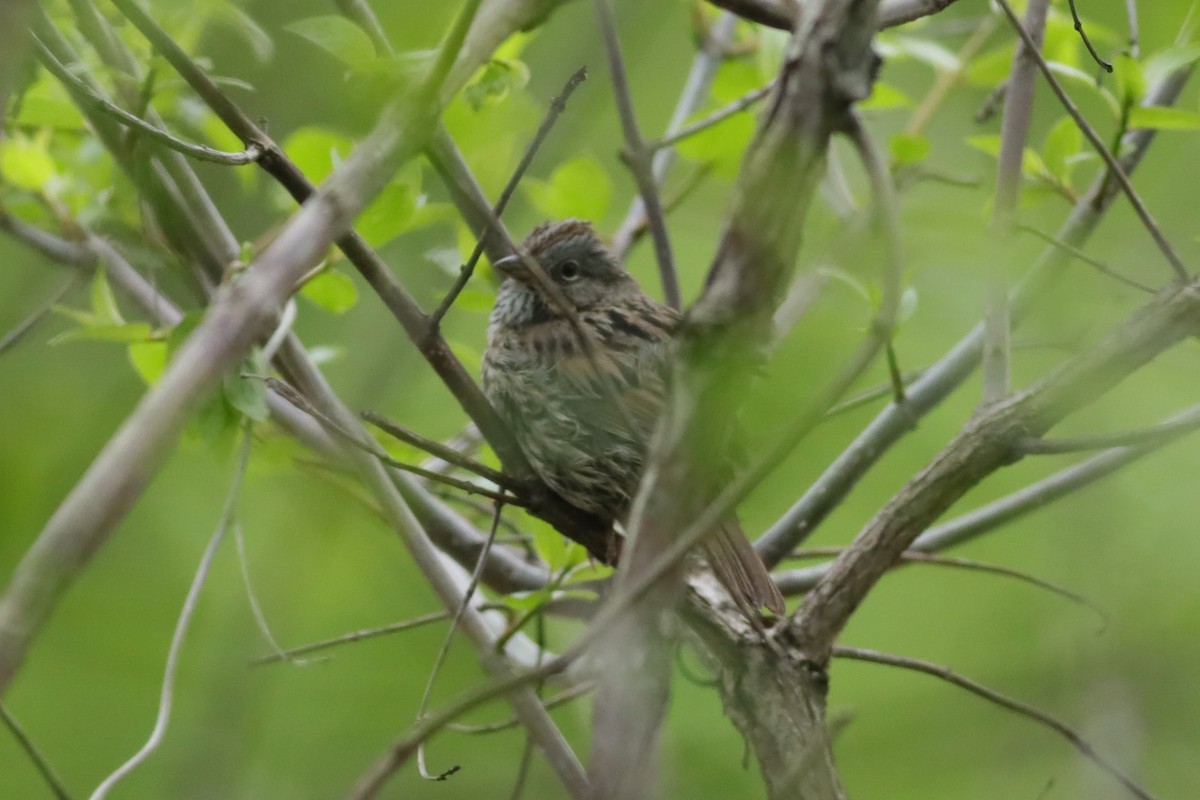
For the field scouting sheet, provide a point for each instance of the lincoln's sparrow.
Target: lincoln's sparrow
(551, 390)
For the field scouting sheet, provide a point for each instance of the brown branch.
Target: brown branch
(637, 154)
(1004, 701)
(557, 106)
(1104, 65)
(985, 444)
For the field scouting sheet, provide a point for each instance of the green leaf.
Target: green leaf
(25, 161)
(907, 148)
(1163, 118)
(578, 188)
(389, 214)
(1164, 62)
(339, 37)
(107, 332)
(985, 144)
(992, 68)
(1131, 83)
(924, 50)
(1078, 77)
(332, 291)
(908, 305)
(104, 302)
(1062, 142)
(246, 393)
(885, 96)
(495, 82)
(245, 26)
(149, 359)
(315, 150)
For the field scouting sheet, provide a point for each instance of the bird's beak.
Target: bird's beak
(514, 267)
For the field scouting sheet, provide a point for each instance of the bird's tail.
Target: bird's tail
(740, 570)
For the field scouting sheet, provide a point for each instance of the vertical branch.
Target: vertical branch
(1018, 109)
(637, 155)
(695, 91)
(15, 16)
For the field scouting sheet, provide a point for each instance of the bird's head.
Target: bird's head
(576, 261)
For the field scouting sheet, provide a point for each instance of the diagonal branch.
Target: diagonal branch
(987, 443)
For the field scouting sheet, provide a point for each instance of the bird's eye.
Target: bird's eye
(568, 270)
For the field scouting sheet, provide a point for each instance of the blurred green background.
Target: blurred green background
(322, 565)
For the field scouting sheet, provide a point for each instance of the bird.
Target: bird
(584, 415)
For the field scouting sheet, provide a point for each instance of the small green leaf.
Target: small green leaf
(106, 332)
(25, 161)
(908, 305)
(332, 291)
(245, 26)
(104, 302)
(1062, 143)
(985, 144)
(578, 188)
(1164, 62)
(246, 391)
(315, 150)
(337, 36)
(388, 215)
(1131, 83)
(908, 149)
(992, 68)
(1032, 164)
(884, 97)
(1082, 79)
(495, 82)
(149, 359)
(1163, 118)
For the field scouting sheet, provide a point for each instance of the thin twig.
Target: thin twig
(85, 95)
(1076, 253)
(1018, 111)
(39, 760)
(1104, 65)
(919, 557)
(720, 115)
(26, 325)
(637, 155)
(439, 450)
(999, 512)
(260, 619)
(695, 92)
(1024, 709)
(440, 658)
(181, 626)
(870, 395)
(557, 106)
(1163, 432)
(1131, 13)
(562, 698)
(1090, 134)
(355, 636)
(372, 448)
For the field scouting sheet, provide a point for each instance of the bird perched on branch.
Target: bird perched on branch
(584, 413)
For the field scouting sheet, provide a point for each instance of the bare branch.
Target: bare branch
(985, 444)
(355, 636)
(562, 698)
(53, 782)
(1104, 65)
(26, 325)
(948, 373)
(1024, 709)
(439, 450)
(1078, 254)
(780, 13)
(557, 106)
(720, 115)
(637, 154)
(695, 91)
(1018, 110)
(1161, 433)
(86, 96)
(181, 626)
